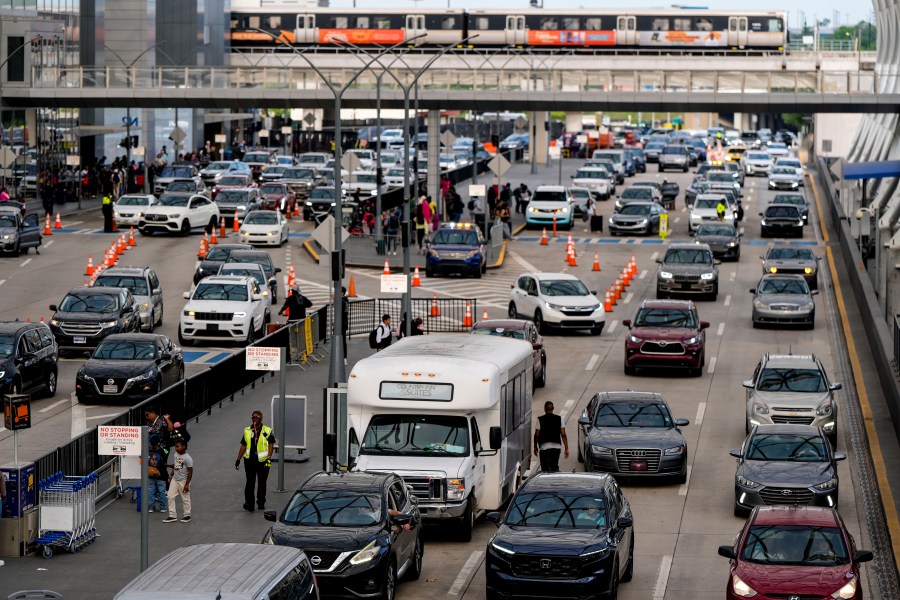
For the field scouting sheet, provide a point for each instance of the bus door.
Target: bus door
(305, 32)
(737, 31)
(626, 34)
(515, 30)
(415, 25)
(479, 464)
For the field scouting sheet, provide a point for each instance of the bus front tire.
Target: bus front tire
(467, 523)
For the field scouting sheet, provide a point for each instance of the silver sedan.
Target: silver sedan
(784, 178)
(783, 299)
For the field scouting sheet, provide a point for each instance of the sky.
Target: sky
(835, 10)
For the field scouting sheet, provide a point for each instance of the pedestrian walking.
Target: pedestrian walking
(107, 209)
(504, 216)
(423, 216)
(549, 439)
(180, 484)
(295, 305)
(257, 445)
(157, 475)
(523, 199)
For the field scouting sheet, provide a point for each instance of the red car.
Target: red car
(231, 182)
(666, 333)
(798, 552)
(277, 196)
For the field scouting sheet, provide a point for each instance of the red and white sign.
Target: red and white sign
(114, 440)
(263, 359)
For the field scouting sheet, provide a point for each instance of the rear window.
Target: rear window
(674, 150)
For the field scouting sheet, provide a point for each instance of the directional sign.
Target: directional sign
(7, 157)
(309, 119)
(520, 123)
(118, 440)
(447, 138)
(498, 165)
(177, 135)
(324, 234)
(262, 358)
(350, 162)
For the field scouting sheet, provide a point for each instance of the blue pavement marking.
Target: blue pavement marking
(781, 242)
(193, 356)
(218, 357)
(299, 235)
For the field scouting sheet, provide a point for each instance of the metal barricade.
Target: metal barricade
(68, 511)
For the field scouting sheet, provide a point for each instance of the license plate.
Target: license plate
(639, 465)
(110, 389)
(685, 286)
(79, 340)
(212, 327)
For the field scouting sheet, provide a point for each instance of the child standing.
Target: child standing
(180, 483)
(158, 474)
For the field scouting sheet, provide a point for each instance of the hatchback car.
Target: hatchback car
(687, 268)
(361, 531)
(144, 285)
(636, 217)
(564, 535)
(556, 300)
(785, 464)
(794, 261)
(550, 204)
(783, 300)
(781, 219)
(632, 434)
(519, 329)
(792, 388)
(223, 309)
(724, 239)
(128, 368)
(666, 333)
(456, 248)
(794, 552)
(28, 359)
(86, 315)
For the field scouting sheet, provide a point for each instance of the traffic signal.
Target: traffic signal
(131, 142)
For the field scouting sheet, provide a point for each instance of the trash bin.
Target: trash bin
(596, 223)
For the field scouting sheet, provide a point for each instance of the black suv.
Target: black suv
(28, 358)
(261, 258)
(88, 314)
(215, 259)
(353, 528)
(783, 220)
(564, 535)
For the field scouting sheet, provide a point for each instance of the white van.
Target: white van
(450, 414)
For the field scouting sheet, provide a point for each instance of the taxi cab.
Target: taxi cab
(735, 153)
(456, 248)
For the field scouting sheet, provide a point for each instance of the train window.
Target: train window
(339, 22)
(382, 22)
(732, 25)
(549, 23)
(571, 23)
(703, 24)
(776, 25)
(659, 24)
(682, 24)
(482, 23)
(254, 22)
(274, 22)
(448, 23)
(362, 22)
(742, 24)
(593, 23)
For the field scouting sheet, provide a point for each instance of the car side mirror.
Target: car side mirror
(727, 552)
(493, 517)
(623, 522)
(626, 323)
(186, 295)
(401, 520)
(659, 261)
(736, 452)
(760, 214)
(862, 556)
(814, 292)
(165, 356)
(53, 307)
(278, 269)
(839, 456)
(717, 262)
(584, 421)
(748, 384)
(128, 309)
(836, 386)
(753, 291)
(704, 325)
(495, 438)
(682, 422)
(270, 515)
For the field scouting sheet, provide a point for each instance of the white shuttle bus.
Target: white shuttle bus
(451, 414)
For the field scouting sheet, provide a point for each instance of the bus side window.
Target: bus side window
(504, 402)
(476, 436)
(353, 447)
(514, 405)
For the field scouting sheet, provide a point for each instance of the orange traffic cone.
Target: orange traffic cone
(612, 295)
(435, 309)
(47, 230)
(554, 225)
(416, 281)
(607, 303)
(57, 225)
(42, 319)
(387, 268)
(626, 277)
(296, 209)
(201, 254)
(544, 240)
(596, 266)
(235, 226)
(115, 225)
(467, 319)
(131, 241)
(484, 315)
(572, 261)
(570, 241)
(90, 268)
(289, 214)
(222, 232)
(213, 240)
(617, 288)
(28, 319)
(351, 292)
(123, 245)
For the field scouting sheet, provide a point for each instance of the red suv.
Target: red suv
(666, 333)
(794, 552)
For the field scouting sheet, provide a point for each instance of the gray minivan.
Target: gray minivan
(227, 571)
(144, 285)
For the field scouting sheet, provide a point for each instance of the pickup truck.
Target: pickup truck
(18, 233)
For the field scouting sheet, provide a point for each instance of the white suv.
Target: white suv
(705, 210)
(556, 299)
(180, 213)
(223, 308)
(597, 179)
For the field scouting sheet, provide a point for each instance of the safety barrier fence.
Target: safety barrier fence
(365, 315)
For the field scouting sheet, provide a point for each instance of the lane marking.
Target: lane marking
(48, 244)
(592, 363)
(701, 410)
(721, 328)
(712, 366)
(733, 275)
(54, 405)
(566, 407)
(2, 429)
(728, 300)
(612, 326)
(662, 580)
(27, 260)
(2, 281)
(628, 298)
(464, 573)
(676, 219)
(683, 488)
(643, 274)
(654, 255)
(528, 266)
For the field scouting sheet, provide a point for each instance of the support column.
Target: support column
(434, 159)
(539, 138)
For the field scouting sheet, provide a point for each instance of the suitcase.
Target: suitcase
(596, 223)
(380, 247)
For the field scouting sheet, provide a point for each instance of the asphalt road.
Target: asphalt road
(678, 527)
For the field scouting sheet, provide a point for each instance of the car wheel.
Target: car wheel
(185, 228)
(542, 380)
(660, 168)
(684, 170)
(251, 335)
(151, 325)
(159, 321)
(513, 312)
(390, 582)
(477, 273)
(756, 324)
(597, 330)
(183, 340)
(467, 523)
(833, 439)
(681, 478)
(484, 268)
(416, 567)
(539, 322)
(715, 293)
(629, 568)
(429, 272)
(614, 583)
(50, 384)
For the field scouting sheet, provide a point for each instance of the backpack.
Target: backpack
(393, 222)
(471, 205)
(373, 338)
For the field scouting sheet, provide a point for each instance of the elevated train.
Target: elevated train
(670, 30)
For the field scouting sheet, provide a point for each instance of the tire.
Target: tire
(513, 312)
(484, 268)
(467, 523)
(715, 293)
(159, 321)
(660, 168)
(390, 583)
(681, 478)
(629, 570)
(596, 330)
(613, 593)
(415, 570)
(539, 322)
(251, 335)
(684, 170)
(477, 273)
(50, 384)
(183, 340)
(185, 229)
(580, 456)
(542, 380)
(149, 327)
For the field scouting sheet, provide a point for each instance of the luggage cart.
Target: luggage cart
(67, 513)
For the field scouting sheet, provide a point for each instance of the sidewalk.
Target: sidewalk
(103, 568)
(33, 205)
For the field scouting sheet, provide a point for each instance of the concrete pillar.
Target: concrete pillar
(538, 139)
(434, 158)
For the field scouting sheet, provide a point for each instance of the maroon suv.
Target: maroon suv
(666, 333)
(794, 552)
(277, 196)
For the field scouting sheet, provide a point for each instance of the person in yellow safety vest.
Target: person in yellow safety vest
(257, 445)
(106, 208)
(720, 209)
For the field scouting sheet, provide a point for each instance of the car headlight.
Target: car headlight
(601, 450)
(794, 184)
(473, 253)
(2, 374)
(643, 222)
(808, 306)
(762, 222)
(825, 408)
(747, 482)
(732, 244)
(827, 485)
(175, 216)
(707, 276)
(189, 313)
(692, 340)
(240, 315)
(140, 215)
(144, 307)
(760, 304)
(532, 209)
(107, 324)
(271, 233)
(555, 306)
(848, 591)
(268, 538)
(618, 204)
(676, 451)
(502, 549)
(243, 232)
(145, 377)
(740, 588)
(665, 275)
(242, 207)
(456, 489)
(564, 209)
(596, 307)
(809, 270)
(54, 322)
(367, 554)
(308, 203)
(760, 408)
(634, 339)
(773, 269)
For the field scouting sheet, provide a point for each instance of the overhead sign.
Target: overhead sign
(520, 123)
(132, 123)
(115, 440)
(177, 135)
(403, 390)
(262, 358)
(447, 138)
(324, 234)
(498, 165)
(393, 284)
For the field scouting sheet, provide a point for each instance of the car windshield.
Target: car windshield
(549, 196)
(787, 447)
(610, 156)
(706, 203)
(262, 260)
(654, 146)
(779, 285)
(787, 253)
(233, 180)
(217, 166)
(579, 193)
(636, 208)
(261, 217)
(256, 274)
(312, 158)
(395, 173)
(232, 196)
(137, 285)
(170, 171)
(799, 545)
(795, 200)
(322, 193)
(7, 347)
(633, 414)
(298, 174)
(229, 292)
(173, 201)
(789, 162)
(133, 201)
(791, 380)
(719, 229)
(518, 334)
(181, 186)
(7, 220)
(455, 236)
(90, 303)
(787, 212)
(557, 509)
(777, 146)
(720, 176)
(563, 287)
(784, 171)
(272, 189)
(737, 150)
(416, 435)
(219, 254)
(637, 193)
(257, 157)
(333, 508)
(277, 169)
(688, 256)
(665, 317)
(591, 174)
(758, 156)
(112, 349)
(365, 178)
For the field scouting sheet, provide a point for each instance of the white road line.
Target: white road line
(25, 262)
(48, 244)
(643, 274)
(733, 275)
(728, 300)
(612, 326)
(683, 488)
(676, 219)
(70, 224)
(592, 363)
(54, 405)
(2, 281)
(654, 256)
(721, 328)
(2, 429)
(528, 266)
(701, 409)
(662, 580)
(628, 298)
(742, 231)
(464, 573)
(565, 411)
(712, 366)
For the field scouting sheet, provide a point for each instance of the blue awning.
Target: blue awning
(872, 170)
